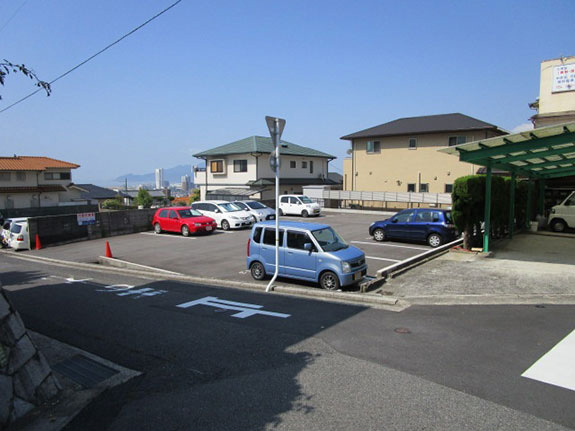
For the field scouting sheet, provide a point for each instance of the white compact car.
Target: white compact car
(226, 214)
(259, 211)
(19, 238)
(298, 205)
(562, 216)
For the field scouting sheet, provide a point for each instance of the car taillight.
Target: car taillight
(20, 238)
(248, 247)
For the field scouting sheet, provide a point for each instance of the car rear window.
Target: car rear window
(270, 236)
(16, 228)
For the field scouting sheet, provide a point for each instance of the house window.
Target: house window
(373, 147)
(411, 187)
(292, 164)
(49, 175)
(4, 176)
(311, 166)
(412, 143)
(448, 188)
(20, 176)
(57, 175)
(65, 175)
(240, 165)
(457, 140)
(217, 166)
(424, 188)
(304, 165)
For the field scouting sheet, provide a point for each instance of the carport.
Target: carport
(537, 155)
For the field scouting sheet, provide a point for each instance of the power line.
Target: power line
(95, 55)
(13, 15)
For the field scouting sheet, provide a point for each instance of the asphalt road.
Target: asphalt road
(222, 255)
(325, 366)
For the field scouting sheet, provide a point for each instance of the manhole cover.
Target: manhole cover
(84, 370)
(402, 331)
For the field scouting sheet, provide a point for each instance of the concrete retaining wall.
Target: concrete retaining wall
(45, 211)
(26, 380)
(62, 229)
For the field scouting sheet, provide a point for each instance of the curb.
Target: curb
(350, 211)
(359, 299)
(495, 299)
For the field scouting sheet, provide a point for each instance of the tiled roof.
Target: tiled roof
(32, 163)
(264, 145)
(38, 189)
(425, 124)
(90, 191)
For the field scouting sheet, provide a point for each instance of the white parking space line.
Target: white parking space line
(381, 258)
(388, 245)
(166, 236)
(556, 366)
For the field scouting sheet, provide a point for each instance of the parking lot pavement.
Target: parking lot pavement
(222, 255)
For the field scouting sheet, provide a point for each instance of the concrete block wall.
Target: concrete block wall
(26, 380)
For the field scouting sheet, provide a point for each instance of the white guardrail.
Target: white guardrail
(352, 195)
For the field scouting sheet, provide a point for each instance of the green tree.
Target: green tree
(144, 198)
(195, 196)
(7, 67)
(113, 204)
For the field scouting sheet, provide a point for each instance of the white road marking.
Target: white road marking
(382, 258)
(245, 310)
(556, 367)
(128, 290)
(72, 280)
(166, 236)
(388, 245)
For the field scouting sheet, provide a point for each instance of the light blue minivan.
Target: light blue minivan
(308, 251)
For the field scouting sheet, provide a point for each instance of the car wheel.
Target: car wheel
(558, 225)
(434, 240)
(257, 270)
(254, 219)
(329, 281)
(225, 225)
(304, 213)
(379, 234)
(185, 231)
(157, 228)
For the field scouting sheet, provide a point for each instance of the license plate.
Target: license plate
(273, 218)
(357, 275)
(208, 228)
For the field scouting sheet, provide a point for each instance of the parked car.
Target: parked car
(434, 226)
(298, 205)
(226, 214)
(308, 251)
(562, 216)
(182, 219)
(259, 211)
(19, 238)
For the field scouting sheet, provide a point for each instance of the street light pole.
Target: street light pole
(276, 126)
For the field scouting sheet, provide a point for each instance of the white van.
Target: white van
(298, 205)
(562, 216)
(226, 214)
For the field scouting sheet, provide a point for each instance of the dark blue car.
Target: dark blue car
(433, 226)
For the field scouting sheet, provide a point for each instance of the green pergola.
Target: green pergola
(539, 154)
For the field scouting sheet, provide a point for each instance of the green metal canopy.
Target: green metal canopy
(539, 154)
(548, 152)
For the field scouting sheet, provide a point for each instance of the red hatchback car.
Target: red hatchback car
(182, 219)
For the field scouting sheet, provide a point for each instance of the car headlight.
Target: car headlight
(345, 267)
(552, 210)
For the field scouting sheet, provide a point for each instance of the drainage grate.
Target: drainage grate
(84, 371)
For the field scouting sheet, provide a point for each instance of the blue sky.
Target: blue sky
(206, 73)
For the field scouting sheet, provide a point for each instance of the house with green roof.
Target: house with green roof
(241, 169)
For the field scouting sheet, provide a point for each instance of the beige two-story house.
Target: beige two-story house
(33, 182)
(402, 156)
(242, 169)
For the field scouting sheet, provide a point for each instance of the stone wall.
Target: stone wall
(26, 380)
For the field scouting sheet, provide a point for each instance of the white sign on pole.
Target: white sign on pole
(564, 78)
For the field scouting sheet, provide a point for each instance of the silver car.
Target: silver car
(259, 211)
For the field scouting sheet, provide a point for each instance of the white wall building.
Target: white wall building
(159, 178)
(242, 169)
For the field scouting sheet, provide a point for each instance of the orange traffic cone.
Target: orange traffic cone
(38, 243)
(108, 250)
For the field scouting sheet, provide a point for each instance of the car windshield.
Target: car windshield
(189, 213)
(448, 218)
(329, 239)
(255, 205)
(229, 207)
(305, 200)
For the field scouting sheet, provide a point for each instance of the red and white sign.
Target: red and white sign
(564, 78)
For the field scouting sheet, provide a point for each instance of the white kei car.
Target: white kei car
(226, 214)
(259, 211)
(298, 205)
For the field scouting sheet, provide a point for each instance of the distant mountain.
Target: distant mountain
(173, 175)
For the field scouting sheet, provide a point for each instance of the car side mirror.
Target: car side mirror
(394, 220)
(308, 246)
(217, 211)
